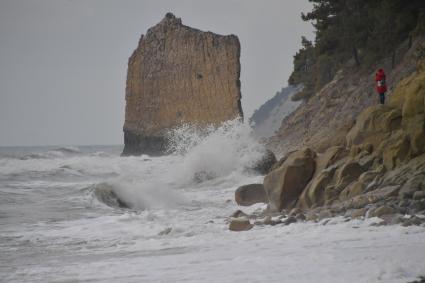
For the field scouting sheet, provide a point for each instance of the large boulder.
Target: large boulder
(179, 75)
(314, 193)
(265, 163)
(250, 194)
(374, 125)
(284, 185)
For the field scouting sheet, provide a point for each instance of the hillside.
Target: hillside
(325, 119)
(268, 117)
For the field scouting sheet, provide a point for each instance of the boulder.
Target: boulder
(362, 200)
(250, 194)
(179, 75)
(417, 183)
(284, 185)
(395, 150)
(357, 213)
(265, 164)
(329, 157)
(240, 224)
(314, 193)
(374, 125)
(381, 211)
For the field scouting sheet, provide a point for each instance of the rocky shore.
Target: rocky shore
(377, 170)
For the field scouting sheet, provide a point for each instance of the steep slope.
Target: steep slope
(267, 118)
(179, 75)
(325, 119)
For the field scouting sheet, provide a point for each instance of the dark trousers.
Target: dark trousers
(382, 98)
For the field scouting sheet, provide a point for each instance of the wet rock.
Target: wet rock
(381, 211)
(418, 205)
(240, 224)
(362, 200)
(165, 231)
(314, 193)
(289, 220)
(250, 194)
(357, 213)
(325, 213)
(266, 163)
(419, 195)
(412, 220)
(284, 185)
(412, 185)
(311, 216)
(300, 217)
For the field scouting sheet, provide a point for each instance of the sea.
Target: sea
(87, 214)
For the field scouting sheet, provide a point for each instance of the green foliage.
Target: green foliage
(357, 31)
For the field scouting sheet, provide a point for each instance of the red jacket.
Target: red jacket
(380, 81)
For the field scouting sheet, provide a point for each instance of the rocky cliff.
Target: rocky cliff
(179, 75)
(348, 155)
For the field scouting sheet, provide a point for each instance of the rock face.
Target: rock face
(179, 75)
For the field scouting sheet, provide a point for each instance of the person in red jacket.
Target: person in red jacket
(381, 86)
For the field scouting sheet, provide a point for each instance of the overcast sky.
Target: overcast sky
(63, 63)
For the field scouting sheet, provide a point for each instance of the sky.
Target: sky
(63, 63)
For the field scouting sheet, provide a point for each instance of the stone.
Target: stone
(374, 125)
(352, 190)
(314, 193)
(358, 213)
(250, 194)
(266, 163)
(371, 197)
(412, 185)
(346, 174)
(382, 210)
(329, 157)
(284, 185)
(240, 224)
(311, 216)
(419, 195)
(349, 172)
(396, 151)
(179, 75)
(324, 213)
(289, 220)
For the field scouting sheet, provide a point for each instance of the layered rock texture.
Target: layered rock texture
(179, 75)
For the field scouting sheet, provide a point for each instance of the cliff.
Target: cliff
(267, 118)
(179, 75)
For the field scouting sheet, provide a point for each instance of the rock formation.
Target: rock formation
(374, 168)
(179, 75)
